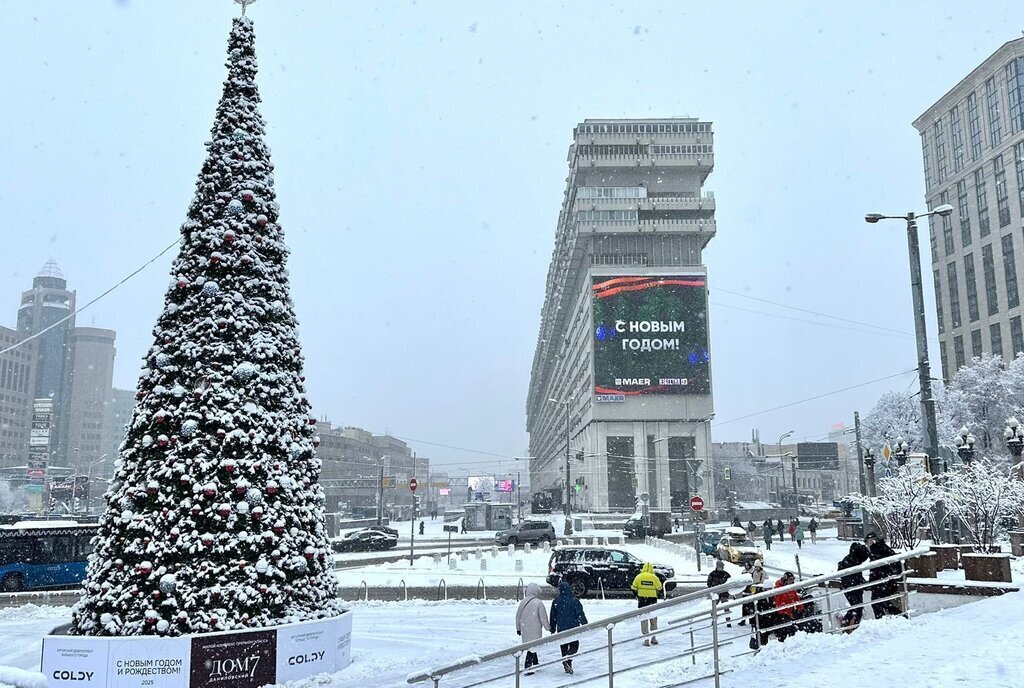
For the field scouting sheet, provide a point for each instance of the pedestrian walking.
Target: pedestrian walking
(566, 613)
(751, 529)
(812, 528)
(858, 554)
(531, 622)
(792, 530)
(767, 538)
(780, 530)
(462, 524)
(799, 537)
(736, 523)
(719, 577)
(883, 589)
(646, 586)
(767, 525)
(422, 526)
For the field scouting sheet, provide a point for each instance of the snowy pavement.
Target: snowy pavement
(392, 640)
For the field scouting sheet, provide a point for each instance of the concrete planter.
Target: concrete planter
(990, 568)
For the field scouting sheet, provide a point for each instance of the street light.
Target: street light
(931, 436)
(1014, 436)
(88, 480)
(899, 451)
(568, 487)
(964, 442)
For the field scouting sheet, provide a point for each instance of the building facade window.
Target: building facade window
(988, 268)
(981, 197)
(1002, 195)
(995, 127)
(606, 216)
(976, 351)
(927, 161)
(945, 363)
(958, 352)
(956, 134)
(947, 225)
(939, 315)
(1010, 273)
(941, 159)
(964, 212)
(611, 192)
(1015, 86)
(972, 288)
(1018, 161)
(954, 296)
(995, 335)
(1016, 335)
(974, 125)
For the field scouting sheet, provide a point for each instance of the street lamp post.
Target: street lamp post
(88, 481)
(899, 451)
(1014, 436)
(782, 480)
(931, 436)
(869, 466)
(568, 487)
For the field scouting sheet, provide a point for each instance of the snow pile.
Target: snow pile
(19, 678)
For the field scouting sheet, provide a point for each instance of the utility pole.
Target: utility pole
(931, 435)
(860, 467)
(568, 486)
(380, 494)
(796, 493)
(519, 494)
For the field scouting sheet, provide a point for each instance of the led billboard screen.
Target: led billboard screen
(650, 336)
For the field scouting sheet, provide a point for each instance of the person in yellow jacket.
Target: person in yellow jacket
(647, 586)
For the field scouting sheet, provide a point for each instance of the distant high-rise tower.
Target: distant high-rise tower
(17, 390)
(48, 302)
(621, 372)
(89, 393)
(972, 143)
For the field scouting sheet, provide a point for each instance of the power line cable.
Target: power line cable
(813, 322)
(79, 310)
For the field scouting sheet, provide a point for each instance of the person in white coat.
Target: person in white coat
(531, 622)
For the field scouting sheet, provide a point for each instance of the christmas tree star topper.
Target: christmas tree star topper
(244, 4)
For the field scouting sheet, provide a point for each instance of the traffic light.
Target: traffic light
(728, 473)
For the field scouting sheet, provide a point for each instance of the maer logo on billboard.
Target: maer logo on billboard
(651, 335)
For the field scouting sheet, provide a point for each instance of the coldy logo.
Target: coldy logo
(306, 658)
(73, 675)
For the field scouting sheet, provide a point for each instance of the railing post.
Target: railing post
(828, 609)
(366, 591)
(906, 589)
(799, 573)
(714, 639)
(517, 655)
(693, 651)
(611, 663)
(405, 590)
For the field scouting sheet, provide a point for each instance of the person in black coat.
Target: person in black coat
(855, 598)
(566, 613)
(877, 549)
(718, 577)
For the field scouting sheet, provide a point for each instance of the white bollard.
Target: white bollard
(483, 564)
(604, 541)
(477, 554)
(527, 548)
(437, 560)
(453, 564)
(494, 551)
(545, 546)
(519, 565)
(511, 550)
(464, 556)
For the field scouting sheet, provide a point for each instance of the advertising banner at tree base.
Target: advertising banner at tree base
(232, 659)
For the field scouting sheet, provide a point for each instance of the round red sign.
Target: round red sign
(696, 503)
(412, 484)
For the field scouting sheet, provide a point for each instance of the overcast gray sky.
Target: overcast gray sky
(420, 153)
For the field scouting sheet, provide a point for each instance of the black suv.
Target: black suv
(593, 568)
(527, 531)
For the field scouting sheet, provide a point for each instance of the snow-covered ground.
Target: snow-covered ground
(391, 640)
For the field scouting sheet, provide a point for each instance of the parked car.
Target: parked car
(527, 531)
(364, 541)
(386, 530)
(708, 541)
(735, 546)
(593, 568)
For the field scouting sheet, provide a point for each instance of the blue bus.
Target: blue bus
(44, 554)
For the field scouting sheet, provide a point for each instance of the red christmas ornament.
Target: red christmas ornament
(196, 510)
(261, 220)
(207, 540)
(210, 491)
(240, 489)
(271, 488)
(221, 434)
(257, 513)
(181, 284)
(224, 510)
(151, 491)
(222, 323)
(185, 480)
(247, 195)
(229, 236)
(312, 420)
(162, 440)
(246, 260)
(140, 395)
(216, 258)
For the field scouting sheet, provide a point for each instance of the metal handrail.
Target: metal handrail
(366, 591)
(717, 607)
(441, 585)
(481, 585)
(405, 590)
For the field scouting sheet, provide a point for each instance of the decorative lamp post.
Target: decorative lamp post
(964, 442)
(1014, 436)
(900, 450)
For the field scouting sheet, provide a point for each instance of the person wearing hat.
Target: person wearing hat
(877, 549)
(858, 555)
(646, 586)
(787, 606)
(719, 577)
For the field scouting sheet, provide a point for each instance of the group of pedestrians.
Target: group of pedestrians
(566, 613)
(796, 530)
(883, 582)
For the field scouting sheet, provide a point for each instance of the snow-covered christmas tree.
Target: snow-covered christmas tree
(214, 518)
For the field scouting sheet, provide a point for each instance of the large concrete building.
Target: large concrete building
(89, 390)
(972, 142)
(17, 390)
(621, 374)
